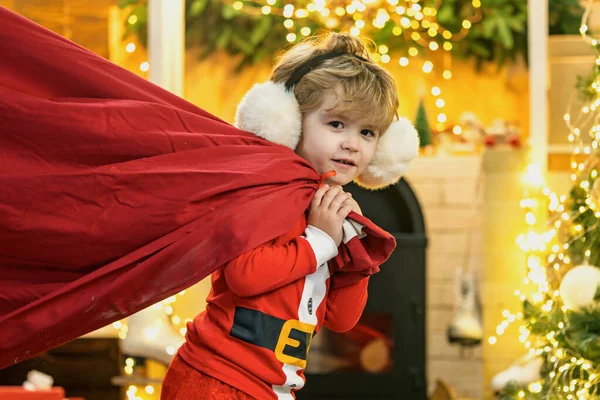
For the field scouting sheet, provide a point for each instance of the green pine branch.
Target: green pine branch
(500, 36)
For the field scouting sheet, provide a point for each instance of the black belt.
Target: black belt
(289, 339)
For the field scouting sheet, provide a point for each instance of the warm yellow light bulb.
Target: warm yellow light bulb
(301, 13)
(288, 11)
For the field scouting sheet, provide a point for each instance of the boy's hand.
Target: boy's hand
(355, 206)
(328, 210)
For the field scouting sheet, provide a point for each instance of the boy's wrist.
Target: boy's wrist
(322, 244)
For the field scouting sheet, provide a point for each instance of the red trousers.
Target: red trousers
(184, 382)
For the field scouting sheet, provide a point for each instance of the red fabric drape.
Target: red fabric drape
(116, 193)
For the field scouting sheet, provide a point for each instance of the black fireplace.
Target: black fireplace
(383, 357)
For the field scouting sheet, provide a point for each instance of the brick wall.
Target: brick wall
(446, 189)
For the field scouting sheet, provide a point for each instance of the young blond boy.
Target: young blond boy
(335, 108)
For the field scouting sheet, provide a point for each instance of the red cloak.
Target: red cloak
(117, 194)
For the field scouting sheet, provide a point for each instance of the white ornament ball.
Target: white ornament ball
(578, 286)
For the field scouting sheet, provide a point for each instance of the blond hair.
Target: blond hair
(367, 88)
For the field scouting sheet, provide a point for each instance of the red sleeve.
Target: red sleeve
(270, 267)
(345, 305)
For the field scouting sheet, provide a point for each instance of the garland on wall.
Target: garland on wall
(482, 30)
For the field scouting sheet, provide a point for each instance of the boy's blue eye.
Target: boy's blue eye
(336, 124)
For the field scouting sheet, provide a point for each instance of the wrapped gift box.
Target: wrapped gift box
(19, 393)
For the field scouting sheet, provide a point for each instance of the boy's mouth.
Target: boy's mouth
(345, 161)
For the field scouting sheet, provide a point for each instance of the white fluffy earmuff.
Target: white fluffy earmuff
(396, 149)
(271, 112)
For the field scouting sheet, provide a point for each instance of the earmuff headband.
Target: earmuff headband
(311, 64)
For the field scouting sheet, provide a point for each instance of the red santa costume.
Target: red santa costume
(264, 308)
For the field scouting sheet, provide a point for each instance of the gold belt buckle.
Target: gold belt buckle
(286, 340)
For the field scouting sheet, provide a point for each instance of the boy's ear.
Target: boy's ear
(271, 112)
(396, 148)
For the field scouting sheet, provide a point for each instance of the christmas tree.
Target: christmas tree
(561, 318)
(422, 126)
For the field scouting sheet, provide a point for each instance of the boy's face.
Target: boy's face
(330, 140)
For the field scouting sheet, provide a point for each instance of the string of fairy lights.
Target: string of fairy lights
(545, 252)
(417, 25)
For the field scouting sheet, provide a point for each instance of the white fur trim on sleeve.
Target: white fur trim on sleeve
(396, 148)
(271, 112)
(321, 243)
(352, 229)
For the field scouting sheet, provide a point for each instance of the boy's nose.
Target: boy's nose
(350, 144)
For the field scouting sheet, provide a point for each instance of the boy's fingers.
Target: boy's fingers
(349, 202)
(329, 196)
(338, 201)
(318, 198)
(345, 210)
